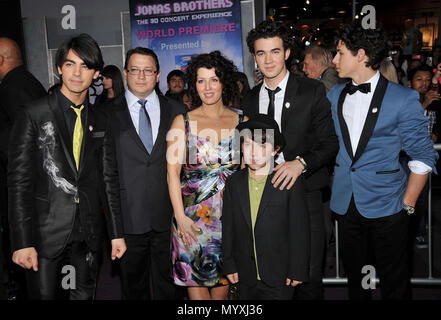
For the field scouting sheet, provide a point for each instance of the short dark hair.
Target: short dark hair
(174, 73)
(85, 47)
(259, 136)
(422, 68)
(113, 72)
(224, 69)
(270, 29)
(144, 51)
(372, 41)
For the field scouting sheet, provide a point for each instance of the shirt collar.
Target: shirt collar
(132, 100)
(253, 180)
(322, 74)
(65, 103)
(373, 81)
(282, 84)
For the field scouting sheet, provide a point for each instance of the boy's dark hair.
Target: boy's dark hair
(259, 128)
(259, 136)
(175, 73)
(372, 41)
(144, 51)
(224, 69)
(85, 47)
(422, 68)
(270, 29)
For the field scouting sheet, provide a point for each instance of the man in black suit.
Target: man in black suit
(265, 231)
(17, 87)
(302, 111)
(140, 121)
(62, 166)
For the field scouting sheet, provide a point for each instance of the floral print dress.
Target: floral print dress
(202, 185)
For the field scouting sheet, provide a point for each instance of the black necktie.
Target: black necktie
(363, 88)
(272, 95)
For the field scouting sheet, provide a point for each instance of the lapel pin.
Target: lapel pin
(287, 105)
(90, 128)
(374, 110)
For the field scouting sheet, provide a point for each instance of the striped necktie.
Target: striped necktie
(77, 135)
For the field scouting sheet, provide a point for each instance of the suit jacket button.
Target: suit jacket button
(352, 169)
(148, 163)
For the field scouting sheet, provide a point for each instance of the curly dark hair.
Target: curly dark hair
(224, 69)
(270, 29)
(372, 41)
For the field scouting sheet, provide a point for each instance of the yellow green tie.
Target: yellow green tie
(77, 135)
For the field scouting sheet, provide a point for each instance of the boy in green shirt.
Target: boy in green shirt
(265, 230)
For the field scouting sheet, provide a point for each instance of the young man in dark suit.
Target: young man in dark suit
(303, 113)
(375, 119)
(140, 121)
(265, 231)
(62, 167)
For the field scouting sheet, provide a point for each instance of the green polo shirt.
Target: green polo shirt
(256, 191)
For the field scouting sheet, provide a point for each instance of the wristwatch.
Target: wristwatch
(302, 161)
(409, 209)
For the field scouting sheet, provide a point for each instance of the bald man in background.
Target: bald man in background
(17, 87)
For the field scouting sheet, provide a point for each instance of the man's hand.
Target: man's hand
(292, 283)
(118, 248)
(288, 172)
(429, 97)
(26, 258)
(233, 277)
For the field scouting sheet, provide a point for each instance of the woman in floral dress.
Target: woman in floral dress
(199, 159)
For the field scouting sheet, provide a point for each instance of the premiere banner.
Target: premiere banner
(177, 30)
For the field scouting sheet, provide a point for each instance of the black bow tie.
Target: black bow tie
(363, 88)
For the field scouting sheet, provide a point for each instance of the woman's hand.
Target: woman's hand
(186, 230)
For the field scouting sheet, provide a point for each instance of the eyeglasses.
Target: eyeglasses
(146, 72)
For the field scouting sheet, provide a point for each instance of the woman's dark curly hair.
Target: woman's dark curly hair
(224, 69)
(373, 41)
(270, 29)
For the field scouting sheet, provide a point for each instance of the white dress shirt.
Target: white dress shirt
(278, 105)
(355, 110)
(152, 107)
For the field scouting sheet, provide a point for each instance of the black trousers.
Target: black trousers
(70, 276)
(146, 267)
(261, 291)
(313, 289)
(386, 238)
